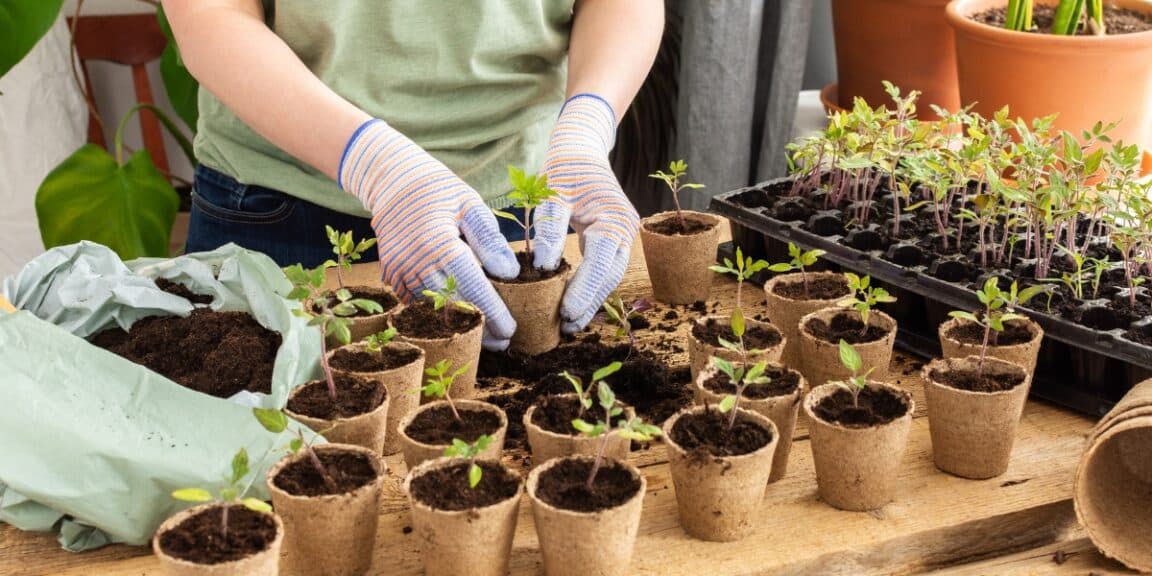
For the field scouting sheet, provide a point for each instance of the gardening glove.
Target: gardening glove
(590, 198)
(419, 210)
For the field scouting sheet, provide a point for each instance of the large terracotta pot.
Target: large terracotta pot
(906, 42)
(1086, 79)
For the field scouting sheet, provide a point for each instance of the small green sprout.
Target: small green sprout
(741, 379)
(800, 260)
(677, 169)
(621, 316)
(376, 342)
(631, 428)
(585, 395)
(998, 309)
(462, 449)
(864, 297)
(851, 360)
(743, 269)
(347, 251)
(276, 422)
(529, 191)
(449, 294)
(439, 382)
(230, 494)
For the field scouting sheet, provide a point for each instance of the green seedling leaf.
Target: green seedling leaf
(727, 404)
(737, 322)
(272, 420)
(474, 475)
(192, 495)
(964, 316)
(849, 357)
(606, 371)
(239, 466)
(256, 505)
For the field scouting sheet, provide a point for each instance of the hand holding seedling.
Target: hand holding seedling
(864, 297)
(677, 169)
(276, 422)
(998, 309)
(800, 260)
(346, 250)
(469, 452)
(529, 191)
(230, 494)
(851, 360)
(440, 380)
(743, 269)
(633, 428)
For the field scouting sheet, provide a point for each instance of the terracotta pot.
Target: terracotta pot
(678, 265)
(856, 468)
(781, 410)
(821, 359)
(416, 452)
(368, 430)
(700, 353)
(1086, 79)
(403, 386)
(360, 327)
(476, 542)
(266, 562)
(785, 313)
(461, 349)
(1022, 354)
(546, 445)
(331, 534)
(718, 497)
(1112, 485)
(973, 432)
(906, 42)
(582, 543)
(536, 308)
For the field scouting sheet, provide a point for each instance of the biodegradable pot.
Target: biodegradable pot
(1112, 485)
(330, 534)
(546, 445)
(785, 313)
(1041, 74)
(461, 349)
(700, 353)
(781, 410)
(581, 543)
(265, 562)
(1021, 354)
(416, 452)
(678, 265)
(907, 42)
(973, 432)
(1136, 402)
(536, 308)
(821, 359)
(368, 430)
(403, 384)
(476, 542)
(856, 468)
(718, 497)
(360, 327)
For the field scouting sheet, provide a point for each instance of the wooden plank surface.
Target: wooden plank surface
(1007, 525)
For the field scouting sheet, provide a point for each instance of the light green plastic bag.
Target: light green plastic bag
(91, 445)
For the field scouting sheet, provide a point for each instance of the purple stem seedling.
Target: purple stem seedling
(446, 297)
(677, 169)
(346, 250)
(229, 495)
(800, 260)
(998, 309)
(743, 269)
(621, 316)
(469, 452)
(864, 297)
(439, 383)
(276, 421)
(632, 428)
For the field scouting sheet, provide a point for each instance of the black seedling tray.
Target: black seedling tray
(1082, 368)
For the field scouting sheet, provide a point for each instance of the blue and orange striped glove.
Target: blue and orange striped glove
(590, 198)
(419, 210)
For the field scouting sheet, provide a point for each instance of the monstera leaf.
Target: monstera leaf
(22, 24)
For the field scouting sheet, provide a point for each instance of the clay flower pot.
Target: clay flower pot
(368, 429)
(461, 349)
(403, 383)
(785, 311)
(780, 409)
(700, 352)
(546, 444)
(973, 432)
(718, 496)
(821, 358)
(856, 467)
(536, 308)
(678, 264)
(581, 543)
(1086, 79)
(907, 42)
(476, 540)
(416, 451)
(266, 561)
(1023, 354)
(329, 534)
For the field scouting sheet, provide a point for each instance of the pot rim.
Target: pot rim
(305, 419)
(178, 518)
(874, 315)
(380, 288)
(958, 14)
(474, 405)
(711, 369)
(945, 364)
(1037, 334)
(401, 337)
(527, 420)
(534, 480)
(818, 393)
(775, 280)
(562, 277)
(377, 463)
(363, 347)
(757, 417)
(750, 322)
(443, 462)
(708, 218)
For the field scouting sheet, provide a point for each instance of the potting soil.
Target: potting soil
(819, 288)
(845, 327)
(364, 361)
(1116, 20)
(447, 488)
(707, 435)
(876, 406)
(354, 396)
(1015, 332)
(439, 426)
(530, 273)
(782, 382)
(990, 381)
(565, 486)
(755, 337)
(671, 226)
(200, 539)
(349, 470)
(422, 320)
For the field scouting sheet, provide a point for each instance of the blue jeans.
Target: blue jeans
(287, 229)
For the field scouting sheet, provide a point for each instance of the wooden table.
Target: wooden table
(1020, 523)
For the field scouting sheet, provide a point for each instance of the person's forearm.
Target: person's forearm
(613, 45)
(228, 48)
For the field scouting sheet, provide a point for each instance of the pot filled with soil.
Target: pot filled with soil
(430, 429)
(448, 333)
(533, 298)
(464, 528)
(329, 499)
(1019, 343)
(792, 296)
(363, 324)
(821, 332)
(354, 411)
(704, 341)
(548, 424)
(858, 442)
(778, 400)
(399, 365)
(678, 248)
(586, 530)
(720, 466)
(193, 543)
(973, 409)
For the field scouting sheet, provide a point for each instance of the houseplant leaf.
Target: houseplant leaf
(22, 24)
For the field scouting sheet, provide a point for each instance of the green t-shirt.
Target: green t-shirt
(476, 83)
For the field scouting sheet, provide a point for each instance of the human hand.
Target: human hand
(590, 197)
(419, 209)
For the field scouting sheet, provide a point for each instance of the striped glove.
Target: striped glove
(591, 199)
(419, 209)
